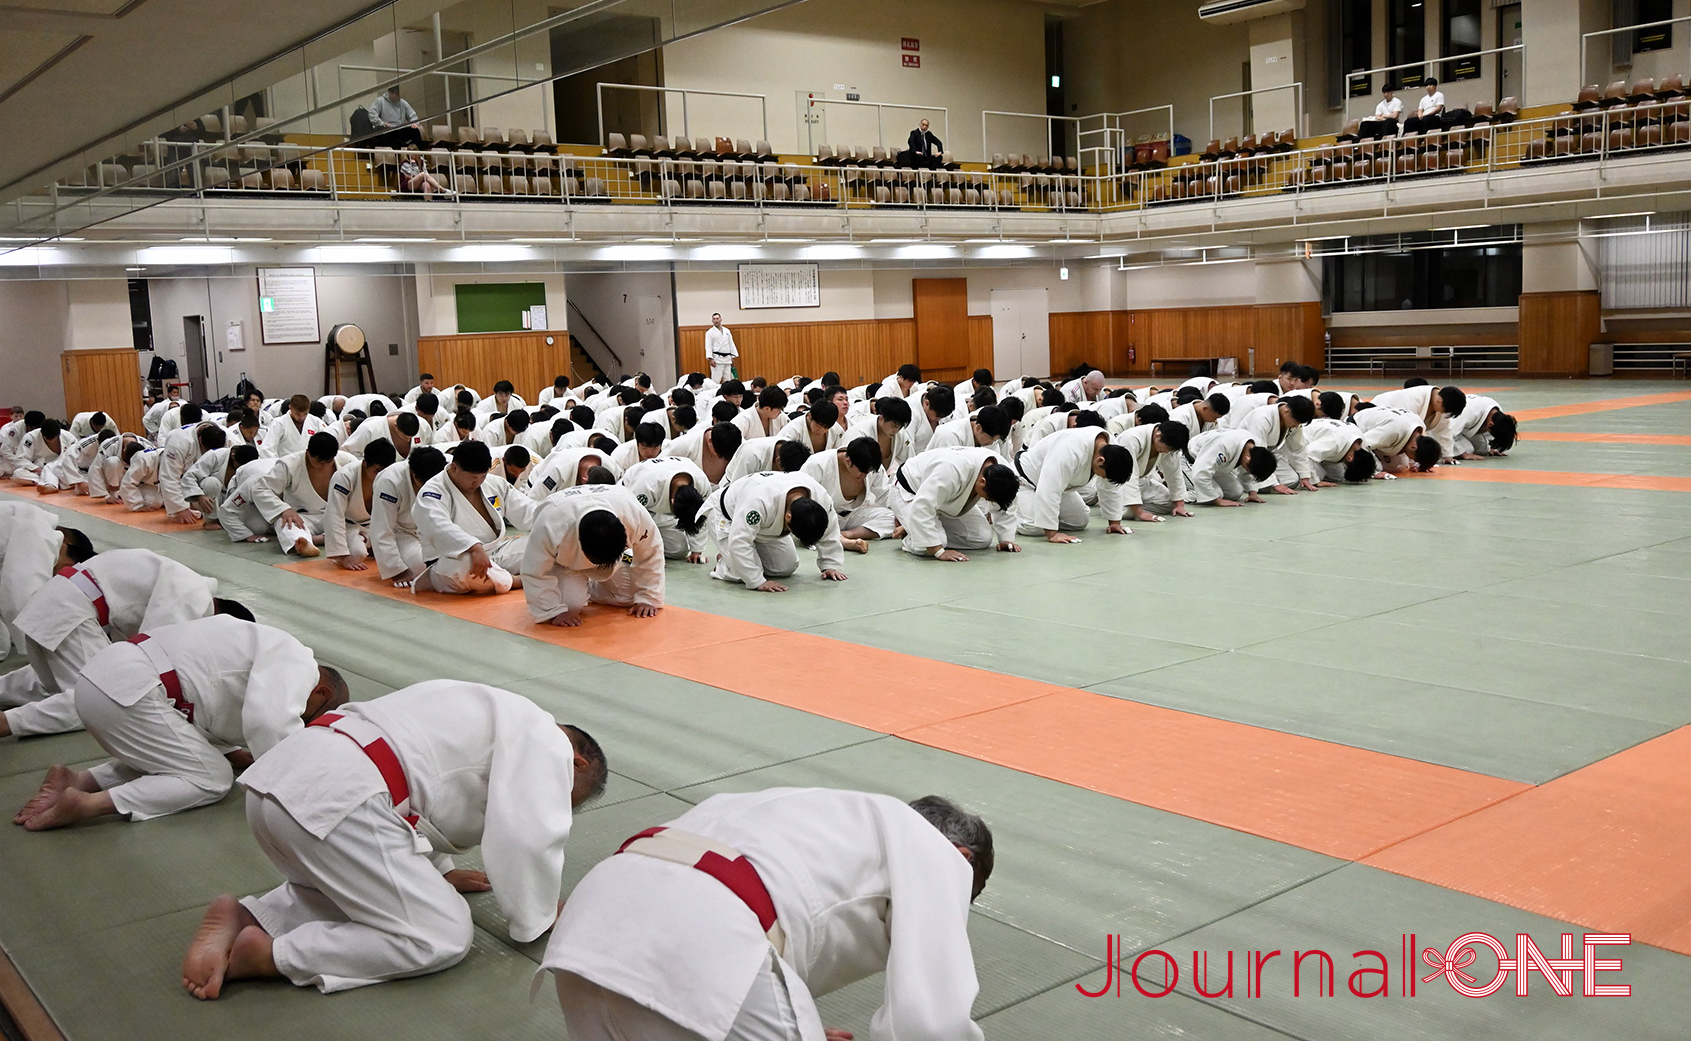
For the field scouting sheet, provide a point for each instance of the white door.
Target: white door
(1509, 63)
(656, 358)
(1021, 333)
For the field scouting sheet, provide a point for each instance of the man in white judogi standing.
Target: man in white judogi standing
(755, 521)
(169, 705)
(120, 592)
(593, 542)
(362, 811)
(720, 350)
(726, 922)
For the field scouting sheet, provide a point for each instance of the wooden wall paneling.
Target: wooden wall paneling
(1083, 337)
(941, 307)
(105, 379)
(861, 352)
(980, 346)
(479, 360)
(1556, 331)
(1288, 332)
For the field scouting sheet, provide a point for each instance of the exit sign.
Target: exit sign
(267, 304)
(911, 44)
(912, 61)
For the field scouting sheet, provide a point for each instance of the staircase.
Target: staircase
(582, 366)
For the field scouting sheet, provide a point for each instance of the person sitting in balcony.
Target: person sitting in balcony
(395, 121)
(415, 177)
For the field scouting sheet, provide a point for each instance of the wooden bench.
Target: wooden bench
(1452, 364)
(1209, 364)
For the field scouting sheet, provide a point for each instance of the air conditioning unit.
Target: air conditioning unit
(1225, 12)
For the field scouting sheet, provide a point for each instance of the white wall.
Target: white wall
(1557, 266)
(847, 294)
(613, 304)
(33, 313)
(976, 54)
(98, 314)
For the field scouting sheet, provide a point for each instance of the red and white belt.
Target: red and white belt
(167, 674)
(85, 584)
(369, 738)
(721, 862)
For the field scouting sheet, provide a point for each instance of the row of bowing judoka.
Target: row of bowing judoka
(723, 923)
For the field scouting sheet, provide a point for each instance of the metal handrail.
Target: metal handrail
(1359, 73)
(762, 100)
(1296, 86)
(880, 131)
(1585, 38)
(576, 310)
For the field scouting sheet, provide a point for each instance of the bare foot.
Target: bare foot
(251, 957)
(305, 548)
(58, 779)
(70, 806)
(856, 545)
(207, 961)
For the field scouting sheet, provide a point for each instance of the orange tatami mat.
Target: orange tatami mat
(151, 520)
(1611, 439)
(1334, 799)
(1606, 847)
(1603, 405)
(1634, 482)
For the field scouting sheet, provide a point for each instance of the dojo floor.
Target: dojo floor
(1431, 706)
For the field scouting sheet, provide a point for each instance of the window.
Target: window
(1353, 46)
(1462, 36)
(1423, 279)
(1655, 38)
(1406, 39)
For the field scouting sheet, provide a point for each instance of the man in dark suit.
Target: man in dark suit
(923, 151)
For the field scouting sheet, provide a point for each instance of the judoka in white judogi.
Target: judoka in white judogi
(572, 558)
(939, 499)
(749, 521)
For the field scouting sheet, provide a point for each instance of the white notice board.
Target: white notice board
(779, 285)
(287, 310)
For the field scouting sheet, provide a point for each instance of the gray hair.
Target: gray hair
(960, 828)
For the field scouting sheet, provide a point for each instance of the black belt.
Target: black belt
(1018, 461)
(903, 482)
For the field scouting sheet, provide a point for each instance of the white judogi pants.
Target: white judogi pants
(359, 906)
(161, 764)
(593, 1013)
(970, 531)
(579, 589)
(37, 697)
(877, 519)
(674, 539)
(140, 498)
(33, 473)
(452, 574)
(288, 535)
(780, 557)
(1072, 514)
(722, 371)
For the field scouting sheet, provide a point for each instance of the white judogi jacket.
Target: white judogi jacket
(869, 426)
(36, 451)
(650, 481)
(143, 470)
(861, 883)
(29, 547)
(943, 485)
(449, 524)
(248, 683)
(1062, 463)
(489, 405)
(82, 424)
(282, 438)
(142, 590)
(1138, 441)
(1266, 428)
(1466, 427)
(287, 485)
(554, 547)
(1387, 431)
(1327, 441)
(754, 457)
(1187, 415)
(72, 465)
(825, 467)
(346, 505)
(391, 499)
(755, 508)
(558, 470)
(485, 768)
(1419, 401)
(1218, 451)
(179, 452)
(752, 425)
(798, 429)
(375, 429)
(10, 436)
(155, 415)
(106, 472)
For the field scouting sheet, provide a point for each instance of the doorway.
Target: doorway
(1509, 62)
(579, 50)
(194, 354)
(1021, 333)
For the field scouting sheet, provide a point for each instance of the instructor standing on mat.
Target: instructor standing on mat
(720, 350)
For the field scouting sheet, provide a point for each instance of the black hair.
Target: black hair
(895, 410)
(600, 475)
(424, 463)
(982, 398)
(830, 379)
(688, 506)
(98, 419)
(518, 420)
(864, 453)
(323, 447)
(1086, 417)
(1427, 452)
(77, 545)
(1288, 368)
(1220, 403)
(627, 395)
(1187, 395)
(1503, 431)
(1118, 464)
(246, 418)
(870, 390)
(1302, 409)
(808, 521)
(815, 393)
(563, 382)
(790, 455)
(603, 537)
(1455, 401)
(730, 387)
(1002, 484)
(1013, 407)
(682, 396)
(213, 437)
(1261, 463)
(650, 435)
(378, 407)
(1414, 381)
(1332, 404)
(464, 399)
(910, 372)
(723, 411)
(1263, 387)
(598, 770)
(544, 413)
(825, 413)
(1360, 405)
(408, 423)
(517, 456)
(472, 457)
(464, 419)
(239, 456)
(725, 439)
(105, 434)
(772, 397)
(603, 443)
(33, 419)
(191, 413)
(560, 427)
(994, 421)
(232, 608)
(943, 400)
(1050, 397)
(982, 376)
(380, 453)
(686, 417)
(582, 416)
(504, 387)
(1361, 466)
(1309, 374)
(651, 402)
(1175, 435)
(1150, 412)
(320, 410)
(1064, 406)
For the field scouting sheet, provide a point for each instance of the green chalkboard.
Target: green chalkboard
(496, 307)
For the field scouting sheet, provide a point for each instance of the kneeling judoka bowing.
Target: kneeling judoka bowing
(361, 812)
(592, 542)
(173, 707)
(723, 923)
